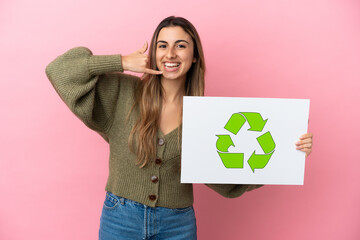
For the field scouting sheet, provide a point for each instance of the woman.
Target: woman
(141, 120)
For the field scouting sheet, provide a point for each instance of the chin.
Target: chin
(171, 76)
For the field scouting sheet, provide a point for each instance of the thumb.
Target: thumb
(144, 47)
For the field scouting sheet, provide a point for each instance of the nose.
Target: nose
(170, 54)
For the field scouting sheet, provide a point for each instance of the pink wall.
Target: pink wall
(53, 169)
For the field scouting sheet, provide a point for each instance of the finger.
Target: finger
(151, 71)
(304, 149)
(307, 140)
(144, 47)
(306, 135)
(303, 146)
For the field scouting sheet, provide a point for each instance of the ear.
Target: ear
(194, 60)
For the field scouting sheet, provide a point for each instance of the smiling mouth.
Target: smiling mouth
(170, 67)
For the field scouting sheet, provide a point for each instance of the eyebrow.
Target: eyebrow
(177, 41)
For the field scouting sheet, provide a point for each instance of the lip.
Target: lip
(171, 69)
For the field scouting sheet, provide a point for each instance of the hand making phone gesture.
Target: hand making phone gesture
(138, 62)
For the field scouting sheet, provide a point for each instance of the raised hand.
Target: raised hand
(138, 61)
(305, 143)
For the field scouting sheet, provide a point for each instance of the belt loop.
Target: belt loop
(122, 201)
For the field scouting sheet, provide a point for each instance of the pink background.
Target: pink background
(53, 169)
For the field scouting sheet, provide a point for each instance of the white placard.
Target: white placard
(243, 140)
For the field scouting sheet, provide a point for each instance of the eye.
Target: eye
(181, 46)
(161, 46)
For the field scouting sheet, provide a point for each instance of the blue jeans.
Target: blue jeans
(122, 218)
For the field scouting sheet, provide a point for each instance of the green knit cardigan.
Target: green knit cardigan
(96, 91)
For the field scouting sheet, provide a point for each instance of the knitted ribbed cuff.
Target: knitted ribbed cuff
(100, 64)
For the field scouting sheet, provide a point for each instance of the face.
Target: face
(174, 53)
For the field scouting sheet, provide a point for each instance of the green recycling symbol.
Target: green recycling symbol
(236, 160)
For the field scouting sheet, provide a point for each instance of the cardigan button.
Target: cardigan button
(161, 141)
(154, 179)
(158, 161)
(152, 197)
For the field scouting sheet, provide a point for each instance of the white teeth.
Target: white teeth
(172, 64)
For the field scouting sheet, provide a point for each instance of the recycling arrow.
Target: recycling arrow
(224, 142)
(258, 160)
(232, 160)
(236, 160)
(268, 146)
(237, 120)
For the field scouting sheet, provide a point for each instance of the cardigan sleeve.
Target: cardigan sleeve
(232, 190)
(82, 81)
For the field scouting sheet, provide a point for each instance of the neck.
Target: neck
(173, 90)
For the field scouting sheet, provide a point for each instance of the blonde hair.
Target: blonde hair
(149, 94)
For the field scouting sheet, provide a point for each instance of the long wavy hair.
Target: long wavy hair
(149, 94)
